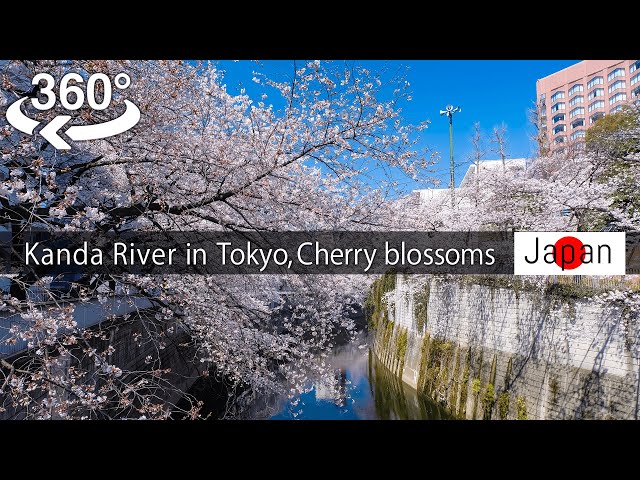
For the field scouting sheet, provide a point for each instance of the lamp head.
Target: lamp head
(450, 110)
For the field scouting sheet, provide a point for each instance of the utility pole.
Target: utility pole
(449, 111)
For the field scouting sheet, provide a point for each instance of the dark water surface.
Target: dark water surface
(363, 389)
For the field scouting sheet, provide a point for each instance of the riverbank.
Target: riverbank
(504, 351)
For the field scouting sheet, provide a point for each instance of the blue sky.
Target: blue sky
(489, 91)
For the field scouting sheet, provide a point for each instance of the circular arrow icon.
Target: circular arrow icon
(49, 132)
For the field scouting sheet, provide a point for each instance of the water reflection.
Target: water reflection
(361, 388)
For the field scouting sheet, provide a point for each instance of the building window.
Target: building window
(618, 72)
(575, 100)
(598, 92)
(634, 66)
(557, 106)
(578, 134)
(596, 104)
(560, 140)
(557, 96)
(635, 79)
(596, 116)
(576, 111)
(559, 128)
(595, 81)
(615, 109)
(577, 123)
(636, 92)
(619, 85)
(618, 97)
(558, 118)
(576, 89)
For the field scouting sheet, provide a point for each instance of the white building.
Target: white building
(516, 166)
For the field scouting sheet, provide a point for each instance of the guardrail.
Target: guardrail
(602, 283)
(86, 314)
(599, 283)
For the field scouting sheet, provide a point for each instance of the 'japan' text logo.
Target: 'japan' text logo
(577, 253)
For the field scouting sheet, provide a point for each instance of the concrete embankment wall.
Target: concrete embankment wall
(504, 351)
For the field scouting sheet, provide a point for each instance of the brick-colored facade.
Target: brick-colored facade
(569, 101)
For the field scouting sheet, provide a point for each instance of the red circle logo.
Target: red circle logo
(568, 252)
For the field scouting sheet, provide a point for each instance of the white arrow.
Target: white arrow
(18, 119)
(124, 122)
(50, 132)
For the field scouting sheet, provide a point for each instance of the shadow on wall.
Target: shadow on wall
(501, 348)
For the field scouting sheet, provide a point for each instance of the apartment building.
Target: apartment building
(571, 100)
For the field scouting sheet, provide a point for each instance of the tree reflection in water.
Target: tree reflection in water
(395, 400)
(362, 388)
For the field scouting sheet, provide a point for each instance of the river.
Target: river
(363, 389)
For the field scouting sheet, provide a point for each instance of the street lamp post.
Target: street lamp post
(449, 111)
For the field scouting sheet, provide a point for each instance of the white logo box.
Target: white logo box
(525, 246)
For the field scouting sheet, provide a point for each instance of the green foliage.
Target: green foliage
(503, 405)
(453, 393)
(492, 375)
(487, 401)
(389, 280)
(388, 335)
(424, 359)
(612, 138)
(421, 302)
(392, 401)
(475, 390)
(572, 291)
(464, 386)
(387, 332)
(554, 389)
(626, 196)
(593, 220)
(615, 135)
(507, 374)
(433, 374)
(374, 306)
(521, 405)
(401, 343)
(401, 349)
(479, 363)
(475, 386)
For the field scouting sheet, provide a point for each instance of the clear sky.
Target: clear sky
(488, 91)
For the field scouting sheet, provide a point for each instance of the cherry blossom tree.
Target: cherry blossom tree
(303, 155)
(555, 193)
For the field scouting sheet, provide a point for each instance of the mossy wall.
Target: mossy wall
(508, 351)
